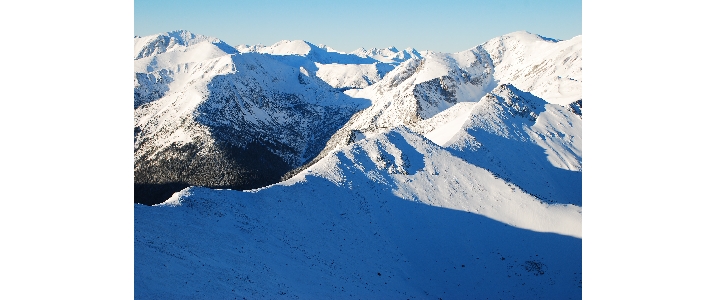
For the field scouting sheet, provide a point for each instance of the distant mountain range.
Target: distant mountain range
(298, 171)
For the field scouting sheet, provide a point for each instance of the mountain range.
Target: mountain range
(298, 171)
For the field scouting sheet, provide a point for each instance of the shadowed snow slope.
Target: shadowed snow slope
(520, 138)
(391, 216)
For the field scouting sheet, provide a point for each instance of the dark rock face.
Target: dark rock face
(519, 103)
(243, 134)
(575, 107)
(287, 124)
(151, 86)
(220, 165)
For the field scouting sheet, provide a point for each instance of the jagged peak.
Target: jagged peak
(519, 100)
(360, 50)
(184, 35)
(521, 36)
(506, 87)
(508, 90)
(162, 42)
(249, 48)
(329, 49)
(187, 38)
(524, 35)
(411, 50)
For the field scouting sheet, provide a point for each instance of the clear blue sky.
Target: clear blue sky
(440, 25)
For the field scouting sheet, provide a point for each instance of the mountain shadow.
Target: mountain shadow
(316, 238)
(514, 157)
(526, 165)
(221, 166)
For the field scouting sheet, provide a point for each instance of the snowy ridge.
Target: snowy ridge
(391, 216)
(520, 138)
(421, 171)
(351, 76)
(173, 40)
(547, 68)
(389, 55)
(357, 69)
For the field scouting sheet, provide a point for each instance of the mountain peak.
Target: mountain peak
(183, 35)
(168, 41)
(290, 47)
(526, 36)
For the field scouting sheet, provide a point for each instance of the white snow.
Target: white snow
(349, 75)
(446, 181)
(388, 55)
(445, 126)
(550, 70)
(286, 47)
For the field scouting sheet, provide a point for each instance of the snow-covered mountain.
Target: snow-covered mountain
(357, 69)
(408, 174)
(174, 41)
(519, 137)
(389, 55)
(546, 67)
(206, 115)
(420, 88)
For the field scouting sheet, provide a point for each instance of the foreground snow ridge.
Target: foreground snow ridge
(408, 166)
(414, 174)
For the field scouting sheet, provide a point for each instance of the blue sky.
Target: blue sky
(445, 26)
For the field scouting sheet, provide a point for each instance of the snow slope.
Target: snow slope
(547, 68)
(520, 138)
(391, 216)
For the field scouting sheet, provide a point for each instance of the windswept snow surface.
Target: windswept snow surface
(391, 216)
(545, 67)
(518, 137)
(459, 178)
